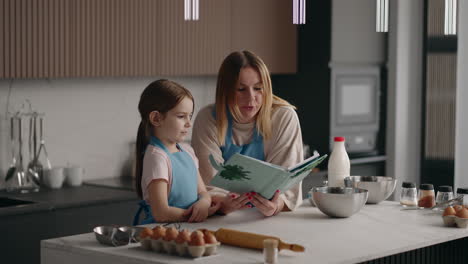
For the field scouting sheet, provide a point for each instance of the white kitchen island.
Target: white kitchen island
(374, 232)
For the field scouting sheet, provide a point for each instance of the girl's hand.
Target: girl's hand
(198, 211)
(265, 206)
(215, 205)
(234, 201)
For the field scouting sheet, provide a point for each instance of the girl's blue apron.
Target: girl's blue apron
(184, 187)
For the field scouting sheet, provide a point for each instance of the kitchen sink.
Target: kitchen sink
(8, 202)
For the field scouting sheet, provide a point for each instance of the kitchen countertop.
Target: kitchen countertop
(66, 197)
(124, 183)
(374, 232)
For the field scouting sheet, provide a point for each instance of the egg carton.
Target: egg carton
(182, 249)
(452, 220)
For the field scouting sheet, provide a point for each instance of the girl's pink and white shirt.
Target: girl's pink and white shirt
(157, 165)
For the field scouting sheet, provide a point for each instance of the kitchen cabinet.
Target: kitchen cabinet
(57, 213)
(118, 38)
(265, 27)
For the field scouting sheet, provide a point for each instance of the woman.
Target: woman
(248, 119)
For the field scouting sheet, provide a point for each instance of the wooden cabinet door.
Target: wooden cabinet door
(116, 38)
(265, 27)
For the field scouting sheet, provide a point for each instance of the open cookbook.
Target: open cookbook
(242, 174)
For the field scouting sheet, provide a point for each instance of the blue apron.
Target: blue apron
(184, 187)
(254, 149)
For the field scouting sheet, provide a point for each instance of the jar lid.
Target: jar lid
(445, 188)
(462, 190)
(408, 185)
(426, 186)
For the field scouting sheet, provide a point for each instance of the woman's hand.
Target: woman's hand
(265, 206)
(198, 211)
(233, 201)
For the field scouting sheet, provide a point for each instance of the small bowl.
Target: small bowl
(339, 201)
(379, 187)
(133, 232)
(111, 235)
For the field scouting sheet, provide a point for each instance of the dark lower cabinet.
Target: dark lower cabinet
(453, 252)
(21, 234)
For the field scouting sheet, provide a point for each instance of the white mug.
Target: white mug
(53, 178)
(74, 176)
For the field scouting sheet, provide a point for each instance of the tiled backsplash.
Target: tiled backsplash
(88, 122)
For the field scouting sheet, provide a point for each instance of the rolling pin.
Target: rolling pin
(250, 240)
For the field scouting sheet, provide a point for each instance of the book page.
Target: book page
(305, 162)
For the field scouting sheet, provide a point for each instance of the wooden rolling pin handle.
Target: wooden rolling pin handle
(292, 247)
(250, 240)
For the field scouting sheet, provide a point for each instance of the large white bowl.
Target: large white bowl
(379, 187)
(338, 201)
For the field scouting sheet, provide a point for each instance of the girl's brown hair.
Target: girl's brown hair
(161, 95)
(228, 78)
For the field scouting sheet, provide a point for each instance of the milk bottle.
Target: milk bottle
(338, 164)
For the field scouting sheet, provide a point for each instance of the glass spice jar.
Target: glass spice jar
(444, 194)
(426, 196)
(409, 194)
(464, 192)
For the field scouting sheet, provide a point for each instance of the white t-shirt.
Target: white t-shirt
(157, 165)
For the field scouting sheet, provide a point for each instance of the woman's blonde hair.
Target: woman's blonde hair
(228, 78)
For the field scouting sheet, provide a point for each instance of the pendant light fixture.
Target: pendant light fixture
(381, 17)
(299, 12)
(191, 10)
(450, 19)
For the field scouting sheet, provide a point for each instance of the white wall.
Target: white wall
(461, 129)
(88, 122)
(403, 141)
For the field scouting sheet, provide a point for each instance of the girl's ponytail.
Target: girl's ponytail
(142, 141)
(161, 95)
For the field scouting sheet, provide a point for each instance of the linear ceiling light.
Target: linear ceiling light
(381, 17)
(299, 12)
(191, 10)
(450, 20)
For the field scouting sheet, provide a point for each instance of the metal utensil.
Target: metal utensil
(11, 171)
(34, 166)
(20, 176)
(42, 143)
(454, 201)
(21, 180)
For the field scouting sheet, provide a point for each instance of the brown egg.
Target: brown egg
(184, 236)
(449, 211)
(146, 232)
(159, 232)
(458, 207)
(463, 213)
(171, 234)
(196, 239)
(210, 238)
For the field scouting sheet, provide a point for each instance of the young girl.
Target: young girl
(167, 177)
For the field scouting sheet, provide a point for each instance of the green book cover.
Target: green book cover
(242, 174)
